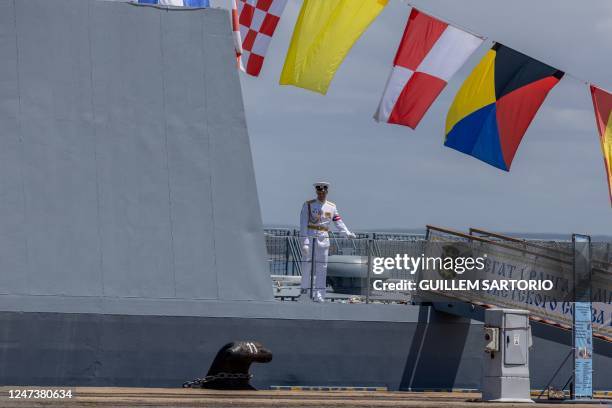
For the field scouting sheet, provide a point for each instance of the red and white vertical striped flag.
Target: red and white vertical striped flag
(257, 20)
(430, 53)
(237, 36)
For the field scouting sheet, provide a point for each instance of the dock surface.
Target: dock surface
(178, 397)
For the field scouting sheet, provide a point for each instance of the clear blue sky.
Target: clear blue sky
(387, 176)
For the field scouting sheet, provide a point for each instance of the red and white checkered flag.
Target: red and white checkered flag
(257, 20)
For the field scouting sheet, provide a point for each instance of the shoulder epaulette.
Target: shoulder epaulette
(332, 204)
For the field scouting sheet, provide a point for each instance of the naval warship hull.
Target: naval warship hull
(397, 347)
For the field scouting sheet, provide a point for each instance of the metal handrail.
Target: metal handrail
(502, 245)
(334, 237)
(296, 252)
(526, 243)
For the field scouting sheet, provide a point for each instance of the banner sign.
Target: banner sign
(583, 351)
(583, 334)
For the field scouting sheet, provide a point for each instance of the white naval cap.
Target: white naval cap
(321, 184)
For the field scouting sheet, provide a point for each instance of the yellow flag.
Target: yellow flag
(324, 33)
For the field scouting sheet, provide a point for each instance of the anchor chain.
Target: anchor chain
(221, 376)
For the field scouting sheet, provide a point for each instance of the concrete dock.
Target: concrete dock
(178, 397)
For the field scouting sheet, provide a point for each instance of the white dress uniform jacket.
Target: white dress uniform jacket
(316, 219)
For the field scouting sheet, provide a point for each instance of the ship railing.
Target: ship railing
(280, 247)
(350, 274)
(349, 264)
(284, 248)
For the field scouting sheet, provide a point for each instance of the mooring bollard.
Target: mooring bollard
(230, 368)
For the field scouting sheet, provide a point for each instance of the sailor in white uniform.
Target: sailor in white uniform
(315, 220)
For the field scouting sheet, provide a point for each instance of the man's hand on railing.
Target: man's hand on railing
(351, 235)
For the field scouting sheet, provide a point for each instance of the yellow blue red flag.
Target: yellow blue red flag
(496, 105)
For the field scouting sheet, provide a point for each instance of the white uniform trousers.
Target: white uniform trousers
(321, 251)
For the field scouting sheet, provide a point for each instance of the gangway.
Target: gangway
(501, 248)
